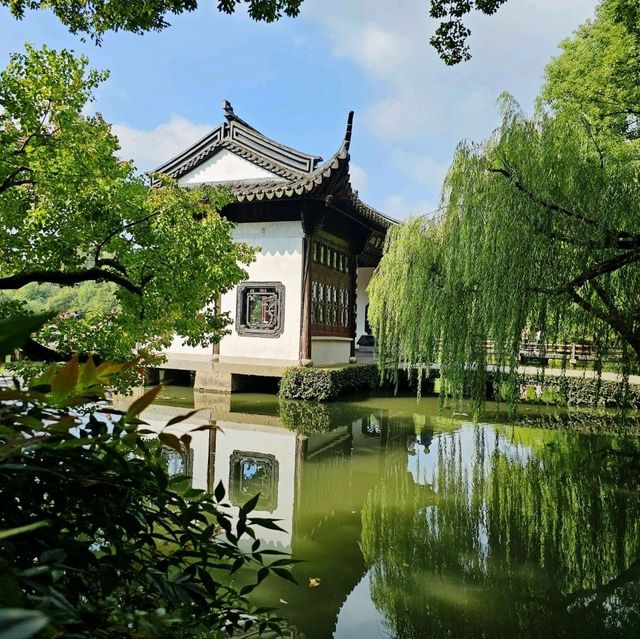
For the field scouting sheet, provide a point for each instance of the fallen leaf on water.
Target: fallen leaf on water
(314, 582)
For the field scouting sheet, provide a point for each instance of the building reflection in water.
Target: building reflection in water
(417, 524)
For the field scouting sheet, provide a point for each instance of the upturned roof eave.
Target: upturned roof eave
(246, 141)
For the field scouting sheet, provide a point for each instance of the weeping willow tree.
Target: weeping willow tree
(539, 224)
(539, 228)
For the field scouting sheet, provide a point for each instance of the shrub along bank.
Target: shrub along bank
(564, 390)
(325, 384)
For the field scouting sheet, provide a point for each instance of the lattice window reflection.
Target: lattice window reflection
(260, 309)
(251, 473)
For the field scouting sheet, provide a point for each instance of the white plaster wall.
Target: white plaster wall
(178, 347)
(226, 166)
(326, 351)
(362, 299)
(279, 260)
(280, 443)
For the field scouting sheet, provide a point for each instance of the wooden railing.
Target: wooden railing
(572, 352)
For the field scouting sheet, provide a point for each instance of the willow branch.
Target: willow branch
(608, 266)
(603, 268)
(618, 239)
(589, 129)
(612, 319)
(547, 204)
(630, 575)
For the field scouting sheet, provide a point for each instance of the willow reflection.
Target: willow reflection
(505, 533)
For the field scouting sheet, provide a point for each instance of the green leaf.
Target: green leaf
(65, 381)
(250, 505)
(16, 330)
(285, 574)
(171, 441)
(21, 624)
(265, 522)
(219, 491)
(181, 418)
(142, 402)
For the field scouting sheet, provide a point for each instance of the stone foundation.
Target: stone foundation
(215, 382)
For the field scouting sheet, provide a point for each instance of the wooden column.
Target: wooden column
(305, 307)
(354, 304)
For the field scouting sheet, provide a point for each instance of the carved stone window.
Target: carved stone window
(260, 309)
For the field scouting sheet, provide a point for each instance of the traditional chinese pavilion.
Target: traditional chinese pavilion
(305, 299)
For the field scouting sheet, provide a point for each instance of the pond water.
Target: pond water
(417, 523)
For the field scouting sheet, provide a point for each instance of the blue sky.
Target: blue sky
(297, 79)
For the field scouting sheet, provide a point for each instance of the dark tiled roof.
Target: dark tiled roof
(243, 140)
(299, 175)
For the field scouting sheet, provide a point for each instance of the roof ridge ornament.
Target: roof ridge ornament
(230, 116)
(228, 110)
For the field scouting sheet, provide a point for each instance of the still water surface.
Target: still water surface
(419, 524)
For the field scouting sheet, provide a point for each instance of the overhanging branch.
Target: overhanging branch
(68, 279)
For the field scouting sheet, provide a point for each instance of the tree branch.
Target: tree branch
(600, 593)
(119, 230)
(40, 353)
(587, 125)
(588, 276)
(608, 266)
(10, 181)
(613, 320)
(68, 279)
(105, 261)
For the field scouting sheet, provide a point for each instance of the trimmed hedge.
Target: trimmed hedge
(571, 391)
(323, 384)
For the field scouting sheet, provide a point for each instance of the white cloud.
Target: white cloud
(417, 94)
(419, 109)
(375, 48)
(149, 149)
(421, 168)
(359, 178)
(397, 206)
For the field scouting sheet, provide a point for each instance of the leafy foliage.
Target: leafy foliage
(450, 37)
(570, 391)
(97, 540)
(596, 76)
(89, 298)
(73, 213)
(96, 17)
